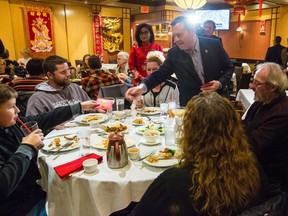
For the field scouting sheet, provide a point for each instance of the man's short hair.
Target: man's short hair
(278, 39)
(276, 76)
(185, 20)
(34, 66)
(210, 22)
(94, 62)
(49, 63)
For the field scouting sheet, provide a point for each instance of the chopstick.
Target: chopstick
(23, 124)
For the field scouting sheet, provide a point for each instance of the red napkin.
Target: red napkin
(73, 166)
(105, 104)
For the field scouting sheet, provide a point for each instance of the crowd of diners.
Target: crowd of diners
(229, 165)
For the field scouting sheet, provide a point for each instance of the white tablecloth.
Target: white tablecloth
(246, 97)
(99, 193)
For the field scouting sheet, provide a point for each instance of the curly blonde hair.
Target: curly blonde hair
(225, 176)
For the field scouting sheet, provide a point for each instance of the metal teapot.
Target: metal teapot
(117, 155)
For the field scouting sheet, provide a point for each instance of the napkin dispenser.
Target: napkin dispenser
(117, 155)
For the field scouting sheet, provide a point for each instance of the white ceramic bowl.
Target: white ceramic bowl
(151, 136)
(119, 114)
(134, 153)
(90, 165)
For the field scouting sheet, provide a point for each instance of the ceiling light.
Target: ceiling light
(190, 4)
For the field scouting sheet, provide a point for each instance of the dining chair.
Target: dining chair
(21, 101)
(114, 91)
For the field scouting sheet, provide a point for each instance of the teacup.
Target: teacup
(134, 153)
(151, 136)
(90, 165)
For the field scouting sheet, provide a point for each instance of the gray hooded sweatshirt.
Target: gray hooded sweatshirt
(47, 98)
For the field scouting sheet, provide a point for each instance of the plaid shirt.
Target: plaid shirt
(92, 83)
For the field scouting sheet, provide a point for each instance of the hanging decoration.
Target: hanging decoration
(112, 34)
(190, 4)
(262, 27)
(97, 36)
(39, 30)
(239, 9)
(260, 8)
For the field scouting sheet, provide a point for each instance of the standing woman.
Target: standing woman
(145, 43)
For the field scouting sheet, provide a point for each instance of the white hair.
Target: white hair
(125, 55)
(157, 54)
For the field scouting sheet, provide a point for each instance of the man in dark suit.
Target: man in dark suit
(274, 53)
(195, 61)
(209, 28)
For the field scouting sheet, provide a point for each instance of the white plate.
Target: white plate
(102, 127)
(158, 141)
(142, 129)
(144, 121)
(52, 148)
(147, 111)
(81, 117)
(163, 162)
(96, 141)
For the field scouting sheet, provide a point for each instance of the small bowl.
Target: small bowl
(128, 112)
(151, 136)
(134, 153)
(90, 165)
(119, 114)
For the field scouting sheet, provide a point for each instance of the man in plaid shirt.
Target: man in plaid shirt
(97, 78)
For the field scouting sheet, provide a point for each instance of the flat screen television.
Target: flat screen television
(220, 17)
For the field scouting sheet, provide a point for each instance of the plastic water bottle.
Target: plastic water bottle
(169, 127)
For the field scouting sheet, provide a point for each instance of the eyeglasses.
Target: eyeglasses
(144, 33)
(256, 83)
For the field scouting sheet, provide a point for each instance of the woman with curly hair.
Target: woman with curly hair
(145, 43)
(218, 173)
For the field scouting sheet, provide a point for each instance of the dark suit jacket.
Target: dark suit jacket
(216, 65)
(274, 54)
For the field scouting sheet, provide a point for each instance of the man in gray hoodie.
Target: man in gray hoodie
(57, 91)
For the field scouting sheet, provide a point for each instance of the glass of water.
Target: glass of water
(120, 103)
(164, 110)
(83, 137)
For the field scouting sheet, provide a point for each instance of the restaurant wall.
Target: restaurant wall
(73, 31)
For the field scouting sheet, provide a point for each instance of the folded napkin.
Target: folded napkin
(73, 166)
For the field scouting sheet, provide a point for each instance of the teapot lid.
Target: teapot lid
(115, 136)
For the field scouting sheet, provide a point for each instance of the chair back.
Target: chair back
(244, 81)
(114, 91)
(22, 99)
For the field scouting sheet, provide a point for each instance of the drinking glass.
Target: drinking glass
(29, 127)
(164, 110)
(120, 103)
(83, 137)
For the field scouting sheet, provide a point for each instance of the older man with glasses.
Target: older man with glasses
(266, 124)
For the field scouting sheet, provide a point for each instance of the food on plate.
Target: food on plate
(115, 128)
(149, 110)
(151, 136)
(167, 153)
(74, 137)
(89, 118)
(57, 142)
(152, 127)
(138, 121)
(104, 142)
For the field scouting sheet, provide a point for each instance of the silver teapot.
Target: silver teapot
(117, 155)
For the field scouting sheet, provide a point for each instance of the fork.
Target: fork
(150, 154)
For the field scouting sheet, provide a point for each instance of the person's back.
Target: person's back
(274, 53)
(36, 76)
(218, 174)
(97, 78)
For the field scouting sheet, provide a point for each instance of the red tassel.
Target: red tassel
(260, 8)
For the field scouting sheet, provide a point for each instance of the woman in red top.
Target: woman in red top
(145, 43)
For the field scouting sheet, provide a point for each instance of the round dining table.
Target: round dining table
(104, 191)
